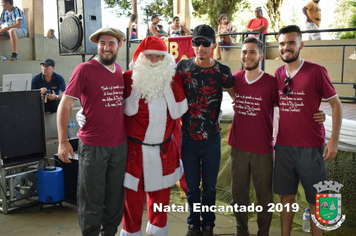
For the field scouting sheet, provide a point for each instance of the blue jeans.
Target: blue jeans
(201, 156)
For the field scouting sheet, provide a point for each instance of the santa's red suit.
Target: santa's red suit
(153, 164)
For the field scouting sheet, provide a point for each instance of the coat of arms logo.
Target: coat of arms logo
(328, 205)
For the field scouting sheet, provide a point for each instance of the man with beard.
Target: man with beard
(203, 80)
(300, 150)
(251, 136)
(99, 85)
(154, 99)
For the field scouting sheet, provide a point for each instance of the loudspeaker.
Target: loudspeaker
(22, 127)
(77, 20)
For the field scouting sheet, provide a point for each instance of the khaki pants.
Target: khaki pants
(243, 164)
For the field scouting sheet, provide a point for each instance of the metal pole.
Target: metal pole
(127, 48)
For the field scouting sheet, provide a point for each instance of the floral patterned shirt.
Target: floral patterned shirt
(203, 89)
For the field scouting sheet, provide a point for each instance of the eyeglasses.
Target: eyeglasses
(198, 43)
(287, 89)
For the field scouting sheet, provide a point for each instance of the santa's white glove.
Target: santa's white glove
(81, 119)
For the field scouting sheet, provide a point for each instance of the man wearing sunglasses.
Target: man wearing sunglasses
(300, 150)
(203, 80)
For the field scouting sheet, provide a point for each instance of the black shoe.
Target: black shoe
(193, 231)
(208, 231)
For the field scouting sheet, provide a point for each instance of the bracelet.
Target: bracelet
(64, 142)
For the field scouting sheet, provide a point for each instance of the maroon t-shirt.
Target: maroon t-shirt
(309, 85)
(252, 126)
(100, 92)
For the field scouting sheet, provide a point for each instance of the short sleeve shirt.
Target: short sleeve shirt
(100, 92)
(309, 85)
(57, 83)
(203, 89)
(12, 17)
(255, 23)
(252, 126)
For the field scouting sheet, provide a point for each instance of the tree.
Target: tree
(343, 14)
(215, 9)
(164, 8)
(274, 13)
(345, 17)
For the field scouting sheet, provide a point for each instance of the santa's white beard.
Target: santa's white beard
(152, 80)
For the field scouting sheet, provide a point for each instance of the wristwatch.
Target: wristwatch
(57, 97)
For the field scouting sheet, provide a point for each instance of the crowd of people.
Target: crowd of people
(13, 25)
(128, 144)
(138, 158)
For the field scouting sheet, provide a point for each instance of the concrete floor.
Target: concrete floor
(53, 220)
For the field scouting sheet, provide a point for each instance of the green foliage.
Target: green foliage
(348, 35)
(164, 8)
(122, 8)
(215, 9)
(345, 17)
(342, 14)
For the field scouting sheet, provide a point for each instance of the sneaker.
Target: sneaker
(14, 57)
(208, 231)
(193, 231)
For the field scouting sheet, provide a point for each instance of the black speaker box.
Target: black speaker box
(22, 128)
(77, 20)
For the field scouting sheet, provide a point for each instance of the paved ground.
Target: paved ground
(53, 220)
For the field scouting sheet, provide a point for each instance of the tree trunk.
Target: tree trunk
(134, 7)
(274, 14)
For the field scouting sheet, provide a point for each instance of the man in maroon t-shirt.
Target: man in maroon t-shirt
(98, 84)
(300, 150)
(251, 136)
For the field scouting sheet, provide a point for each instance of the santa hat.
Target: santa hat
(151, 44)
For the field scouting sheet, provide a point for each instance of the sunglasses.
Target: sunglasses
(287, 89)
(198, 43)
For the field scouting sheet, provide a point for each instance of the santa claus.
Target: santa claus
(154, 100)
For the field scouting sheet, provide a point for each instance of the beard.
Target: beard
(252, 67)
(152, 80)
(290, 60)
(107, 61)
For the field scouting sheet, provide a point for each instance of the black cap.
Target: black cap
(205, 32)
(48, 62)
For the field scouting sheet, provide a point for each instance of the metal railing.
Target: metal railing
(263, 38)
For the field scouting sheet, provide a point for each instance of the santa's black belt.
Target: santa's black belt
(135, 140)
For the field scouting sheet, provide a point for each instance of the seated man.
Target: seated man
(13, 25)
(153, 26)
(51, 84)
